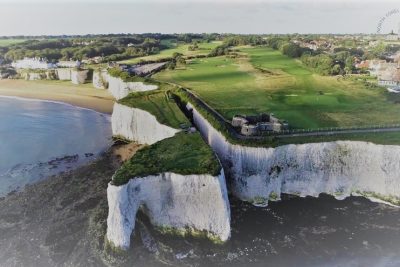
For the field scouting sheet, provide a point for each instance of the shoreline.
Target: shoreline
(22, 98)
(83, 96)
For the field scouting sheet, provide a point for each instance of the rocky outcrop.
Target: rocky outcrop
(338, 168)
(120, 89)
(138, 125)
(186, 204)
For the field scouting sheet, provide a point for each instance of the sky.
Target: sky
(59, 17)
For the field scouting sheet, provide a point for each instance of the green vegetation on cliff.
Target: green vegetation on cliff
(125, 76)
(158, 103)
(184, 153)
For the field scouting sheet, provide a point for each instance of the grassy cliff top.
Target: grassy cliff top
(158, 103)
(382, 138)
(125, 76)
(264, 80)
(183, 153)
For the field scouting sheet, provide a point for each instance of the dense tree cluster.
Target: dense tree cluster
(82, 48)
(236, 40)
(219, 50)
(340, 62)
(112, 47)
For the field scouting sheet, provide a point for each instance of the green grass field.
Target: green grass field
(204, 49)
(264, 80)
(7, 42)
(159, 104)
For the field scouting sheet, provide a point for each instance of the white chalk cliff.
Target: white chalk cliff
(120, 89)
(138, 125)
(184, 203)
(64, 74)
(100, 79)
(338, 168)
(79, 76)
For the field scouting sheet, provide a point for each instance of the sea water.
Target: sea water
(43, 138)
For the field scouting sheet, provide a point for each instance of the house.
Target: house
(362, 65)
(239, 121)
(255, 125)
(390, 79)
(378, 66)
(392, 37)
(33, 63)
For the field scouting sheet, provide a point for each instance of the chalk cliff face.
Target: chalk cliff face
(64, 74)
(186, 204)
(43, 75)
(337, 168)
(79, 76)
(120, 89)
(99, 79)
(138, 125)
(32, 76)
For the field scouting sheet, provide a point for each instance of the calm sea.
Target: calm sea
(42, 138)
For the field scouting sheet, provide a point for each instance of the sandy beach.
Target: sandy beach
(84, 95)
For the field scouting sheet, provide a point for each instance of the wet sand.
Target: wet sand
(84, 95)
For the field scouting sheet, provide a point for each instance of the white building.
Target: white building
(390, 79)
(33, 63)
(377, 67)
(392, 37)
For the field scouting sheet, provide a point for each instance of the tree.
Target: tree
(171, 65)
(176, 54)
(180, 60)
(290, 49)
(336, 69)
(349, 65)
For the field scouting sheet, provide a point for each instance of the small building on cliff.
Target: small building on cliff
(255, 125)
